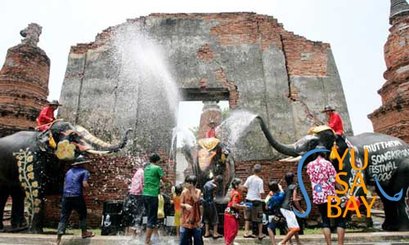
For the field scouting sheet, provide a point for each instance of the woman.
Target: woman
(231, 214)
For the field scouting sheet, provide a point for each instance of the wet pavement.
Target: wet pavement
(350, 238)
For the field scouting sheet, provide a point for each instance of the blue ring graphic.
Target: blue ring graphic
(395, 197)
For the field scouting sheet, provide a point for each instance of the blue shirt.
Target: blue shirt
(208, 191)
(275, 201)
(73, 181)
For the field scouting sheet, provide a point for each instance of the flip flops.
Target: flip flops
(88, 234)
(261, 237)
(249, 236)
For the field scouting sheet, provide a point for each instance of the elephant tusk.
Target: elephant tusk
(290, 159)
(97, 152)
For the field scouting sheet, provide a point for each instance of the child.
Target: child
(290, 202)
(190, 221)
(273, 207)
(231, 214)
(176, 204)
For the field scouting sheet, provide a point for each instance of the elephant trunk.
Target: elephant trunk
(282, 148)
(103, 147)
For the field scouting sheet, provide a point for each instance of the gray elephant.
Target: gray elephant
(210, 158)
(31, 160)
(388, 166)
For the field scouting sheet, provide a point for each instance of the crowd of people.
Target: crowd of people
(195, 208)
(196, 216)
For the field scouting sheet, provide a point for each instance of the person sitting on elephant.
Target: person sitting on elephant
(76, 179)
(211, 133)
(334, 120)
(46, 116)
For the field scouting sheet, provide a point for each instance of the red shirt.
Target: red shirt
(211, 133)
(235, 198)
(46, 116)
(335, 122)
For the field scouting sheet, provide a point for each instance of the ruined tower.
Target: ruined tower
(393, 116)
(23, 83)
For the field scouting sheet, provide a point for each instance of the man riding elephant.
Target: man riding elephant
(29, 159)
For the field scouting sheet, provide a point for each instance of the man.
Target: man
(46, 116)
(255, 189)
(211, 133)
(334, 120)
(322, 175)
(210, 215)
(152, 176)
(76, 179)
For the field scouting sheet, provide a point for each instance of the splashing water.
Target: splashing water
(144, 61)
(235, 126)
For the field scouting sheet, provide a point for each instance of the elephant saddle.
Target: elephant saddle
(207, 152)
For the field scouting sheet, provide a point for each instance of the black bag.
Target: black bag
(279, 219)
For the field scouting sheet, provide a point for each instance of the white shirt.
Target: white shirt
(254, 185)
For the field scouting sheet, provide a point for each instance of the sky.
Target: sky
(356, 30)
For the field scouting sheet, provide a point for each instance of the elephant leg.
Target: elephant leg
(389, 223)
(3, 199)
(402, 207)
(403, 211)
(17, 209)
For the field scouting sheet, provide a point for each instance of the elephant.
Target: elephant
(211, 158)
(387, 159)
(31, 159)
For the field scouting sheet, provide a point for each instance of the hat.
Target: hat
(328, 108)
(54, 102)
(80, 160)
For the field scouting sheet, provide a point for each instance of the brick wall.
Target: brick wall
(109, 181)
(23, 88)
(392, 117)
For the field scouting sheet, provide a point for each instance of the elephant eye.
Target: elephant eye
(73, 136)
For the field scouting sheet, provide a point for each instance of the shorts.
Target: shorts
(290, 218)
(255, 213)
(133, 210)
(151, 206)
(210, 215)
(326, 222)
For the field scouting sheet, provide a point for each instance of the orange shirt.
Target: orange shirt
(176, 203)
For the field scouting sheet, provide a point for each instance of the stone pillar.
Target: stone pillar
(210, 112)
(392, 117)
(23, 83)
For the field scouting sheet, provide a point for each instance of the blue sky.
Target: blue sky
(356, 30)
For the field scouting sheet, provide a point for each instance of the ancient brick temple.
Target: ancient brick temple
(393, 116)
(23, 83)
(247, 59)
